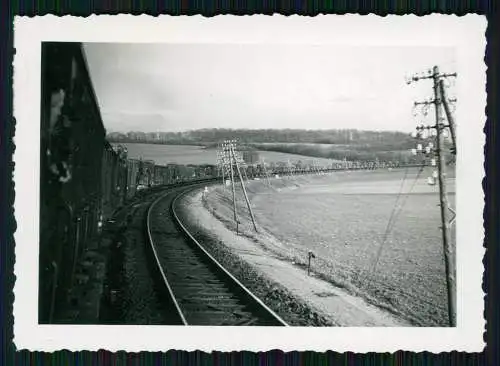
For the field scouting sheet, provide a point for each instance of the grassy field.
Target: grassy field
(342, 218)
(365, 152)
(275, 157)
(190, 154)
(171, 154)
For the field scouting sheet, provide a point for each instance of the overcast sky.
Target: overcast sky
(177, 87)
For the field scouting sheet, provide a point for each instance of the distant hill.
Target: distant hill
(351, 144)
(393, 139)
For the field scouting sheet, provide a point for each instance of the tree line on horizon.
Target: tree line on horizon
(339, 144)
(209, 137)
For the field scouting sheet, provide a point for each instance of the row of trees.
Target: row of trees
(349, 144)
(341, 152)
(207, 137)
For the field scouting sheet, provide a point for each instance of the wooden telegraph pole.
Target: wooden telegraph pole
(443, 200)
(222, 167)
(265, 172)
(290, 172)
(439, 97)
(231, 150)
(449, 116)
(220, 163)
(244, 168)
(232, 185)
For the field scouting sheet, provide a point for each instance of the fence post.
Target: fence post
(310, 255)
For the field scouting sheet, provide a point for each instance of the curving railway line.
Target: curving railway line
(198, 289)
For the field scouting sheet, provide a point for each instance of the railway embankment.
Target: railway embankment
(285, 286)
(374, 234)
(290, 308)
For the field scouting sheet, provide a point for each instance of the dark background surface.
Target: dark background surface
(11, 356)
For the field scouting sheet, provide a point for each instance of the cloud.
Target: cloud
(174, 87)
(133, 121)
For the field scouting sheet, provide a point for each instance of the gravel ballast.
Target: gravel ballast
(285, 286)
(130, 296)
(291, 309)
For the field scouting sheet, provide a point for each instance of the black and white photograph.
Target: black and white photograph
(304, 185)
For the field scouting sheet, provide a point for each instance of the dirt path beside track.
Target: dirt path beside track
(332, 303)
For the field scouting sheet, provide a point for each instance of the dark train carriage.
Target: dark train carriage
(132, 173)
(72, 141)
(121, 180)
(185, 173)
(107, 179)
(250, 155)
(207, 171)
(149, 170)
(192, 172)
(175, 172)
(160, 174)
(145, 176)
(163, 175)
(114, 178)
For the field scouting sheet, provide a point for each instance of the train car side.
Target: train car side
(72, 150)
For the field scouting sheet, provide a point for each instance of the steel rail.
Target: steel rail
(160, 268)
(239, 285)
(187, 187)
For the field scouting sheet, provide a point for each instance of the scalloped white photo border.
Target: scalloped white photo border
(466, 34)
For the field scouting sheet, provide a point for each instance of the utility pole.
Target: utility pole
(231, 156)
(231, 150)
(443, 198)
(234, 191)
(319, 168)
(449, 116)
(265, 172)
(221, 164)
(245, 167)
(290, 171)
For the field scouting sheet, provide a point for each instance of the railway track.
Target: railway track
(200, 290)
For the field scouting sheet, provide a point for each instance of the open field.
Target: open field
(276, 157)
(342, 218)
(197, 155)
(353, 151)
(171, 154)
